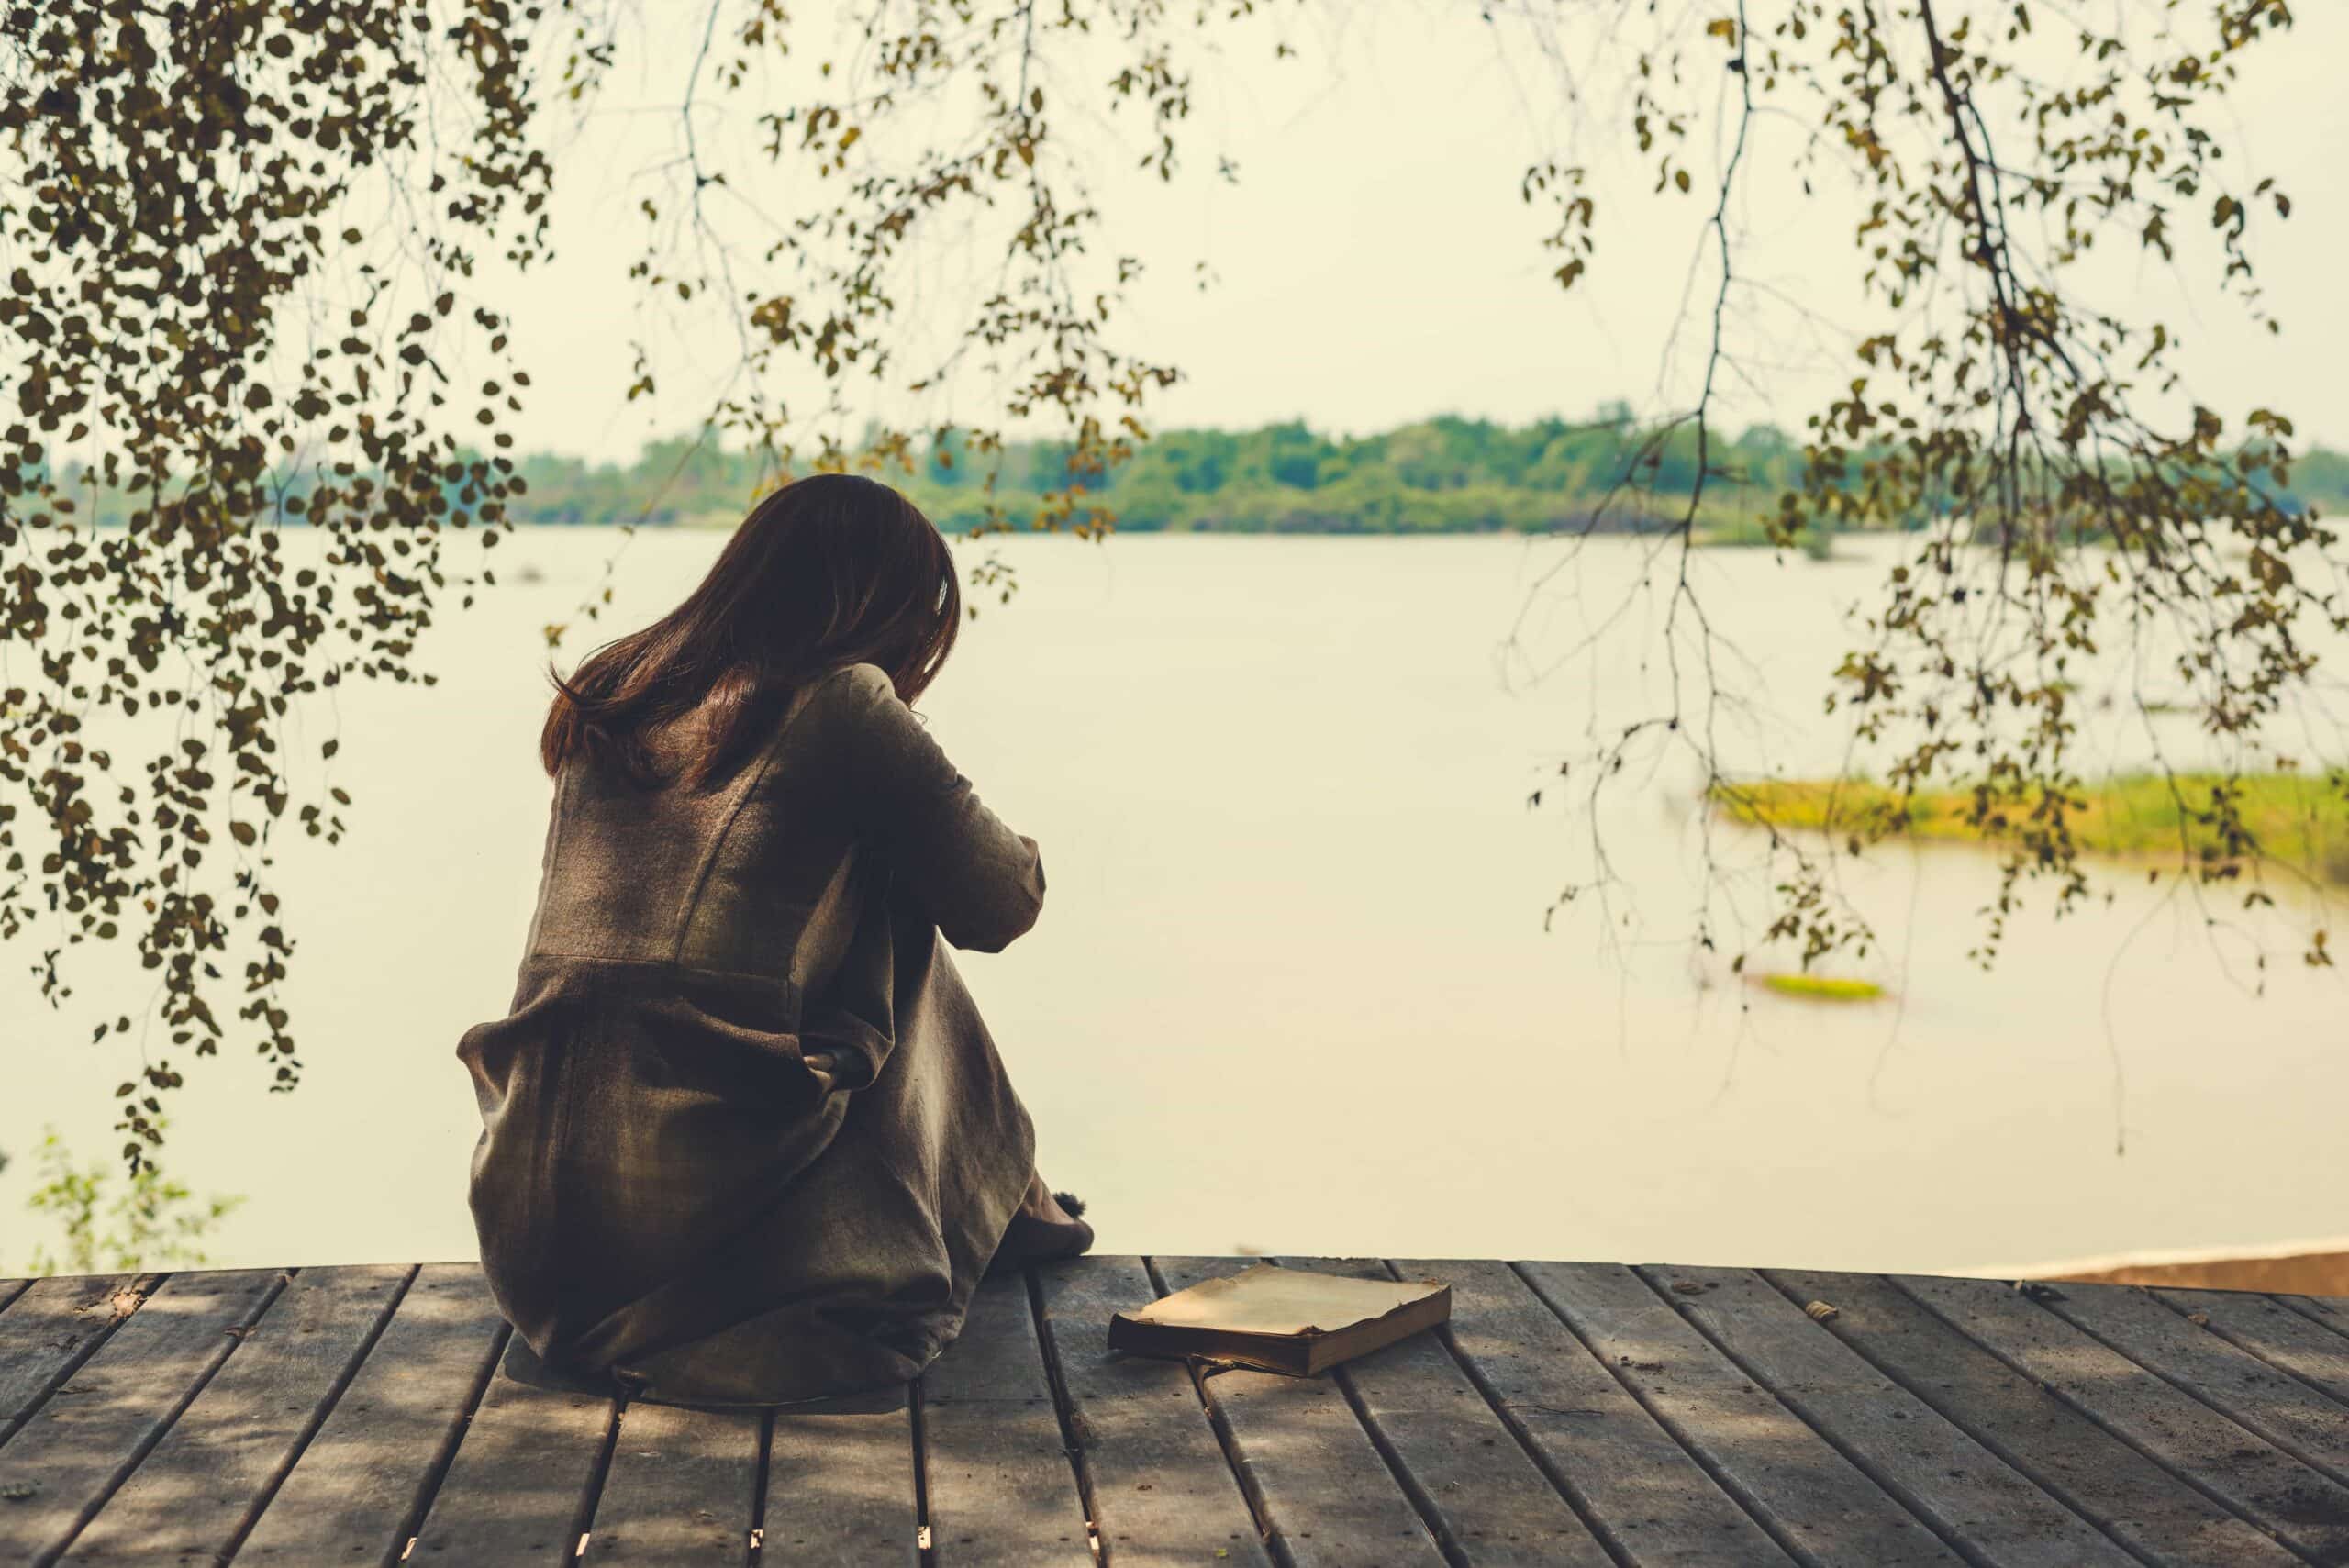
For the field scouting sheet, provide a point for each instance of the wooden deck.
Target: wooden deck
(1572, 1414)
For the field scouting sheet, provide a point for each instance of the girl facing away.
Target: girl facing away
(745, 1139)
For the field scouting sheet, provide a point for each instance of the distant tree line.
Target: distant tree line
(1446, 474)
(1440, 475)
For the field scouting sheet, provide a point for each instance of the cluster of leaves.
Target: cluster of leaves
(818, 291)
(190, 303)
(2078, 505)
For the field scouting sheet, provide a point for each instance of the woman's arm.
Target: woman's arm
(981, 884)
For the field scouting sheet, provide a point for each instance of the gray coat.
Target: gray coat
(663, 1191)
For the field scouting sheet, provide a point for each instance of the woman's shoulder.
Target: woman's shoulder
(856, 684)
(847, 723)
(854, 695)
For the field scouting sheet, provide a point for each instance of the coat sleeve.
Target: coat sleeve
(981, 884)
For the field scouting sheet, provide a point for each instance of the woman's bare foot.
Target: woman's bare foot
(1042, 1229)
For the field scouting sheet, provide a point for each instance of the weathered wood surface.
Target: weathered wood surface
(1647, 1496)
(53, 1326)
(1325, 1493)
(1571, 1414)
(79, 1447)
(2296, 1417)
(367, 1478)
(1161, 1486)
(842, 1489)
(523, 1485)
(2066, 1454)
(1001, 1486)
(194, 1498)
(2200, 1445)
(683, 1487)
(1965, 1494)
(1483, 1499)
(2274, 1333)
(1813, 1500)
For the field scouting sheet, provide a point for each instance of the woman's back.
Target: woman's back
(657, 1163)
(739, 878)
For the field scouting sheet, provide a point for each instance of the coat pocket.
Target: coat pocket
(734, 1038)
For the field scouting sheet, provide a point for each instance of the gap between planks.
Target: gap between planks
(2192, 1307)
(1962, 1496)
(2118, 1427)
(1080, 1465)
(139, 1288)
(2108, 1327)
(159, 1426)
(318, 1418)
(1250, 1490)
(429, 1492)
(1719, 1472)
(1608, 1539)
(1431, 1519)
(2135, 1500)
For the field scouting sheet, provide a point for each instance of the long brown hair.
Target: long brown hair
(831, 570)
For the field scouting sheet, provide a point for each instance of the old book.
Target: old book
(1282, 1319)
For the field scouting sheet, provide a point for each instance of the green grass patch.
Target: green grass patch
(1823, 988)
(2299, 819)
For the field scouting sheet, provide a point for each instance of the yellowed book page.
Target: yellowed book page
(1267, 1299)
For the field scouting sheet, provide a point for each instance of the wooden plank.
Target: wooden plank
(204, 1482)
(93, 1430)
(2331, 1311)
(1941, 1475)
(1648, 1498)
(2302, 1509)
(2064, 1452)
(683, 1487)
(52, 1326)
(523, 1479)
(1479, 1492)
(2305, 1424)
(2272, 1331)
(1000, 1485)
(841, 1488)
(364, 1479)
(1163, 1491)
(1809, 1496)
(1323, 1490)
(10, 1289)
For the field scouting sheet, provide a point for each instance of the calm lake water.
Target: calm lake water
(1292, 990)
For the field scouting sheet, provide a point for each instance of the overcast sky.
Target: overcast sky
(1374, 263)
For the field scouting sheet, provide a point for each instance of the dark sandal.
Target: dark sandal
(1027, 1239)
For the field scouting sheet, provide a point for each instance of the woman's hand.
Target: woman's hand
(825, 1065)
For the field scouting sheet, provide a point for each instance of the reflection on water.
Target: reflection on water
(1291, 991)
